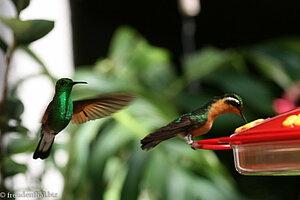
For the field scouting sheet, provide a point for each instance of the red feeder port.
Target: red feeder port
(271, 147)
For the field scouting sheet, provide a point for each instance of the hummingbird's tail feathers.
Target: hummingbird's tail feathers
(44, 147)
(146, 146)
(153, 139)
(174, 128)
(150, 141)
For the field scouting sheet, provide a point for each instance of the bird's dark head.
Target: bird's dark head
(66, 84)
(234, 103)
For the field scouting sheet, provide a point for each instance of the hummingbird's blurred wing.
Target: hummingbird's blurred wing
(91, 109)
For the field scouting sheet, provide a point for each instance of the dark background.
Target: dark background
(223, 24)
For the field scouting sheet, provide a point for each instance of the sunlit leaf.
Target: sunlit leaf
(114, 175)
(96, 84)
(123, 42)
(28, 31)
(133, 59)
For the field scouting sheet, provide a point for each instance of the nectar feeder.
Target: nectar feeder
(263, 147)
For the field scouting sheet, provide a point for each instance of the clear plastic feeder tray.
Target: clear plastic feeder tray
(269, 158)
(271, 147)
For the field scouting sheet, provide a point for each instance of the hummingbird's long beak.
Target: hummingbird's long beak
(243, 116)
(79, 82)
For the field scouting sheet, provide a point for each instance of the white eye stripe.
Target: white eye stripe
(233, 99)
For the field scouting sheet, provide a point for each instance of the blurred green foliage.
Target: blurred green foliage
(104, 156)
(106, 161)
(14, 137)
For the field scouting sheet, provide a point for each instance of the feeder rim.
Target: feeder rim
(224, 143)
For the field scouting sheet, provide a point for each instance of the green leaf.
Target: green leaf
(177, 185)
(11, 168)
(79, 155)
(96, 84)
(270, 67)
(291, 44)
(157, 169)
(13, 108)
(204, 62)
(20, 145)
(79, 152)
(114, 175)
(123, 42)
(19, 129)
(106, 146)
(137, 164)
(21, 4)
(28, 31)
(277, 60)
(3, 45)
(133, 57)
(248, 86)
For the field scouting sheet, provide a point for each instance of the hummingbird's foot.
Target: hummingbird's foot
(195, 146)
(189, 139)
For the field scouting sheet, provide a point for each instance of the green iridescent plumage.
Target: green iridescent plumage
(62, 107)
(62, 110)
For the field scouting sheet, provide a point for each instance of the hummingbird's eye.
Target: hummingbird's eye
(62, 82)
(233, 102)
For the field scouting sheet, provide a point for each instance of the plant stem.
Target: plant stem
(8, 61)
(2, 108)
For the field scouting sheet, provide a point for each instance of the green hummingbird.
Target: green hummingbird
(61, 110)
(197, 122)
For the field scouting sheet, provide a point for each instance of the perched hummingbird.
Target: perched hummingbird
(62, 110)
(197, 122)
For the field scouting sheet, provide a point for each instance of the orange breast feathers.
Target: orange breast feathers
(203, 129)
(216, 109)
